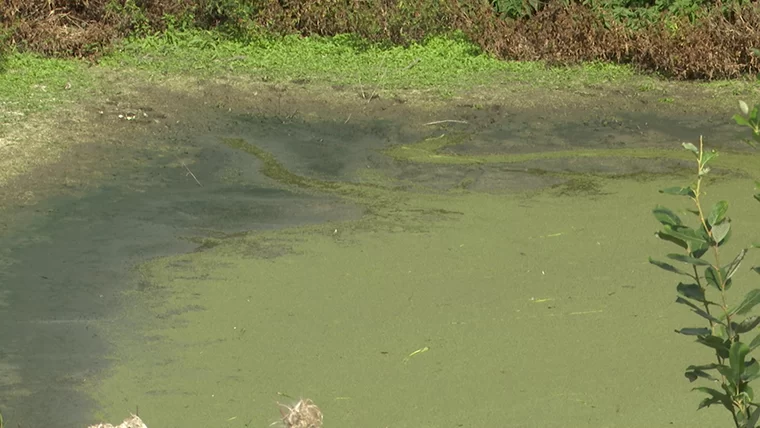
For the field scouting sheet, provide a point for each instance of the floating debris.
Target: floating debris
(305, 414)
(132, 422)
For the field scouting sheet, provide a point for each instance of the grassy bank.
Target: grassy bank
(450, 63)
(32, 83)
(681, 39)
(445, 65)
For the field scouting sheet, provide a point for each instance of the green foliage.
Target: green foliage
(232, 17)
(705, 291)
(518, 9)
(183, 22)
(637, 14)
(750, 119)
(131, 15)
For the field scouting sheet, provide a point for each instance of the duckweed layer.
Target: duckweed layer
(431, 151)
(531, 311)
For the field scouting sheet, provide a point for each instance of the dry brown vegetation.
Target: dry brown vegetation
(715, 46)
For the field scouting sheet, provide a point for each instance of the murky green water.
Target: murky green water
(500, 280)
(535, 311)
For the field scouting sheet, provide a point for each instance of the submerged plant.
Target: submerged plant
(705, 291)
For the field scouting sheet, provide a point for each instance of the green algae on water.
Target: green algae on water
(518, 300)
(431, 151)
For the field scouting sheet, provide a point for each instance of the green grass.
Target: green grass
(439, 62)
(30, 83)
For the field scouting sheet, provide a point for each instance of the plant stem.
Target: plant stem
(713, 244)
(736, 407)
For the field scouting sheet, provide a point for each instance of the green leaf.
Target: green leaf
(711, 366)
(732, 267)
(715, 397)
(694, 374)
(692, 148)
(708, 156)
(718, 212)
(726, 372)
(714, 277)
(757, 196)
(753, 418)
(699, 311)
(693, 237)
(666, 216)
(752, 371)
(682, 235)
(715, 342)
(755, 342)
(719, 231)
(751, 299)
(736, 356)
(665, 237)
(741, 120)
(694, 331)
(691, 291)
(697, 254)
(727, 238)
(687, 259)
(746, 394)
(721, 331)
(679, 191)
(667, 267)
(746, 325)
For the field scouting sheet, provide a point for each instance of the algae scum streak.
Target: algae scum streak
(466, 273)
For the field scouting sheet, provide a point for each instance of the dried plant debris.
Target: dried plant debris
(305, 414)
(133, 421)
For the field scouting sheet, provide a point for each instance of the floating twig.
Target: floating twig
(191, 174)
(446, 121)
